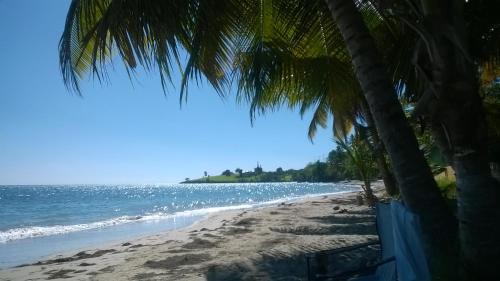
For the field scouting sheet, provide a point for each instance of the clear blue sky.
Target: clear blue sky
(124, 132)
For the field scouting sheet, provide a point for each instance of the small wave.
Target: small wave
(40, 231)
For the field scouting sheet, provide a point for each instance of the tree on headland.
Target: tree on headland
(227, 173)
(279, 170)
(258, 170)
(205, 174)
(238, 171)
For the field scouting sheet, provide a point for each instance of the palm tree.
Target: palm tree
(149, 35)
(312, 71)
(238, 171)
(470, 239)
(418, 188)
(326, 95)
(361, 161)
(456, 39)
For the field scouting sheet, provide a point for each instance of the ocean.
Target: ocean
(41, 220)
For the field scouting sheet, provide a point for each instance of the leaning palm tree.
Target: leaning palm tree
(150, 33)
(316, 77)
(309, 72)
(444, 250)
(450, 116)
(322, 83)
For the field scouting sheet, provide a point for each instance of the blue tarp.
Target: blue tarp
(385, 272)
(411, 261)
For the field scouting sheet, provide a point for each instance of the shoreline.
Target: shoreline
(43, 246)
(209, 245)
(16, 234)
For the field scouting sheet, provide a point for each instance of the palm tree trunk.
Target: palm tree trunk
(478, 192)
(479, 215)
(371, 199)
(378, 151)
(414, 177)
(459, 111)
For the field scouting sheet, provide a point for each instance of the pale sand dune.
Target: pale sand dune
(266, 243)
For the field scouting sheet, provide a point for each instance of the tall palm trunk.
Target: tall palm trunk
(378, 151)
(458, 110)
(478, 197)
(414, 177)
(478, 192)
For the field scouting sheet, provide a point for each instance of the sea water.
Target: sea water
(39, 220)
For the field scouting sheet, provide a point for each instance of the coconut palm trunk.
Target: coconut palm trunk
(478, 195)
(460, 113)
(478, 192)
(414, 177)
(457, 111)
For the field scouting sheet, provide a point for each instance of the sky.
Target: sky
(124, 132)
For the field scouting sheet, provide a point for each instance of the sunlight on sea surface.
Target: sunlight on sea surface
(71, 216)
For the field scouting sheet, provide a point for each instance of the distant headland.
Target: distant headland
(313, 172)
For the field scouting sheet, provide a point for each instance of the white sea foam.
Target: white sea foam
(40, 231)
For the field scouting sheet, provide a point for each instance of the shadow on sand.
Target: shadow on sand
(273, 264)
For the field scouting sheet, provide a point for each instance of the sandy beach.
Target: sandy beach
(266, 243)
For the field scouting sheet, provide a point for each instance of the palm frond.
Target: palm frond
(139, 32)
(281, 53)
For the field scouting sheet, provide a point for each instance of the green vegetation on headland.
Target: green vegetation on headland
(233, 177)
(245, 177)
(340, 165)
